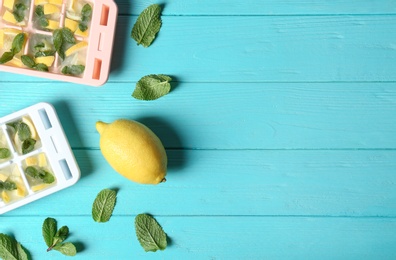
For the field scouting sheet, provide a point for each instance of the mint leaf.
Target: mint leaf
(28, 62)
(61, 235)
(147, 25)
(19, 12)
(17, 43)
(66, 248)
(28, 145)
(10, 249)
(4, 153)
(49, 230)
(152, 87)
(61, 37)
(41, 67)
(103, 205)
(86, 13)
(149, 233)
(73, 70)
(23, 130)
(40, 174)
(6, 57)
(7, 185)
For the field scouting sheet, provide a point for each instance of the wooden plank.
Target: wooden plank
(315, 183)
(272, 49)
(228, 116)
(218, 237)
(263, 7)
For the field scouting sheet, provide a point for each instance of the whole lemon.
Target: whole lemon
(133, 150)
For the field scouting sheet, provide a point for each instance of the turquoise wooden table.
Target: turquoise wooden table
(280, 132)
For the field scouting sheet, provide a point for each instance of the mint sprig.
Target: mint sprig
(150, 234)
(19, 12)
(40, 174)
(152, 87)
(86, 13)
(10, 248)
(73, 70)
(16, 47)
(7, 185)
(147, 25)
(54, 238)
(103, 205)
(62, 38)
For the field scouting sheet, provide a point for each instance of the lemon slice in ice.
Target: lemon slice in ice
(75, 48)
(29, 123)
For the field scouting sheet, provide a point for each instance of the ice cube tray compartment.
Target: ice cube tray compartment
(96, 43)
(51, 155)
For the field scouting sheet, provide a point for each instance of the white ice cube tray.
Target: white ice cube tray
(51, 152)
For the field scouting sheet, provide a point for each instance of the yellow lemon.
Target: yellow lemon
(75, 48)
(30, 124)
(133, 150)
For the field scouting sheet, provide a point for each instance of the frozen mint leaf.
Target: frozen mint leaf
(67, 249)
(149, 233)
(47, 177)
(147, 25)
(6, 57)
(86, 13)
(10, 249)
(28, 145)
(73, 70)
(41, 67)
(152, 87)
(39, 11)
(62, 37)
(28, 62)
(19, 12)
(23, 129)
(17, 43)
(7, 185)
(44, 53)
(4, 153)
(103, 205)
(49, 231)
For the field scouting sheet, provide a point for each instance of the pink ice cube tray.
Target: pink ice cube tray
(87, 60)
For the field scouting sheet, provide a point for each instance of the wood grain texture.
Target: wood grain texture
(262, 7)
(219, 237)
(240, 183)
(229, 116)
(272, 49)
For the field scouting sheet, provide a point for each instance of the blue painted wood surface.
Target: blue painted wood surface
(279, 129)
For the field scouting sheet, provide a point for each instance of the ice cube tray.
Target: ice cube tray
(27, 172)
(38, 19)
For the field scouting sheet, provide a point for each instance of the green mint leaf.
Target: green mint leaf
(44, 53)
(152, 87)
(86, 13)
(103, 205)
(147, 25)
(41, 67)
(23, 129)
(6, 57)
(43, 22)
(14, 125)
(30, 63)
(68, 36)
(49, 230)
(39, 11)
(39, 46)
(19, 12)
(7, 185)
(149, 233)
(67, 249)
(10, 249)
(28, 145)
(32, 172)
(83, 27)
(60, 235)
(17, 43)
(58, 43)
(48, 177)
(4, 153)
(73, 70)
